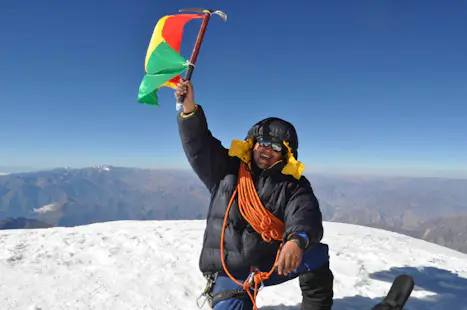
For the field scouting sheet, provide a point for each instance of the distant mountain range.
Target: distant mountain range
(390, 201)
(450, 232)
(69, 197)
(22, 223)
(433, 209)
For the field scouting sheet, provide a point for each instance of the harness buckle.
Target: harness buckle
(207, 292)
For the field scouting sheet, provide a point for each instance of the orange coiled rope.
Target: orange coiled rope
(263, 222)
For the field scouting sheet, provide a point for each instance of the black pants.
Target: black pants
(317, 289)
(316, 286)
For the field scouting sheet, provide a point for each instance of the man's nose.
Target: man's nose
(268, 148)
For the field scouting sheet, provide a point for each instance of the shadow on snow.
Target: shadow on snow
(446, 289)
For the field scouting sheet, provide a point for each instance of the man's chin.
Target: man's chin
(262, 165)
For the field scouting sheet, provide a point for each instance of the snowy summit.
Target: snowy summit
(154, 265)
(102, 167)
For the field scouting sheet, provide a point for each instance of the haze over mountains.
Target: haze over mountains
(429, 208)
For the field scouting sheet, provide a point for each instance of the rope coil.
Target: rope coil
(263, 222)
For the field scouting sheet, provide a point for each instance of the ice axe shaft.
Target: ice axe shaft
(196, 48)
(199, 40)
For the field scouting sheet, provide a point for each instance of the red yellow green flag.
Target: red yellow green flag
(164, 64)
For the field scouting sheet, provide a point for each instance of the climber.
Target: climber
(269, 152)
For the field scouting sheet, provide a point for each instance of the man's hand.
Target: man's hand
(290, 258)
(185, 88)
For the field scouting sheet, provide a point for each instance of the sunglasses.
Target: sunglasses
(276, 146)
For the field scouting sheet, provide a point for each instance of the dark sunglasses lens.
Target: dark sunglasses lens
(276, 147)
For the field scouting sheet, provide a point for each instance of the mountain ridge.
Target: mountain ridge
(78, 196)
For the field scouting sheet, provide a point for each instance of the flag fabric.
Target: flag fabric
(163, 63)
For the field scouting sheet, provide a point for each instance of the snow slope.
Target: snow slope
(154, 265)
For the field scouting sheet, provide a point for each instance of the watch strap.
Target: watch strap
(301, 242)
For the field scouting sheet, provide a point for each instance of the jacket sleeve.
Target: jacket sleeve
(303, 215)
(206, 155)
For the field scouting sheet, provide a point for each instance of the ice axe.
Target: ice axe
(199, 40)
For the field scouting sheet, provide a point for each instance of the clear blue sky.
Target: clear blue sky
(369, 85)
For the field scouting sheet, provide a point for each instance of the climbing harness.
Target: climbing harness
(212, 299)
(207, 293)
(262, 221)
(227, 294)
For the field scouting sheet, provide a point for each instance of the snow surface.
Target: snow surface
(154, 265)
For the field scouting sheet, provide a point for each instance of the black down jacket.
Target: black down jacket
(290, 199)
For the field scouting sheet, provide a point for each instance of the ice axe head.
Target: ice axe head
(206, 11)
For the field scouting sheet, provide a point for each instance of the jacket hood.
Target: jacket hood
(276, 129)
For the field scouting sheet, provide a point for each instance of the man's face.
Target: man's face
(266, 154)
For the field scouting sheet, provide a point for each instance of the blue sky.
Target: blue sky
(371, 86)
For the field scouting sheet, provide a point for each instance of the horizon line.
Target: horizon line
(337, 171)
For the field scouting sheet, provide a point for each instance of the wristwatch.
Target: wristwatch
(299, 240)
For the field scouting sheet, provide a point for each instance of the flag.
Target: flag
(163, 63)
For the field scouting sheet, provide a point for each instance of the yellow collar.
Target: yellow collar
(242, 149)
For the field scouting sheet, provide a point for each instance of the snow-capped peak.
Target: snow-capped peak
(102, 167)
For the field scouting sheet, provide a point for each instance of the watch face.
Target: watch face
(298, 241)
(302, 242)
